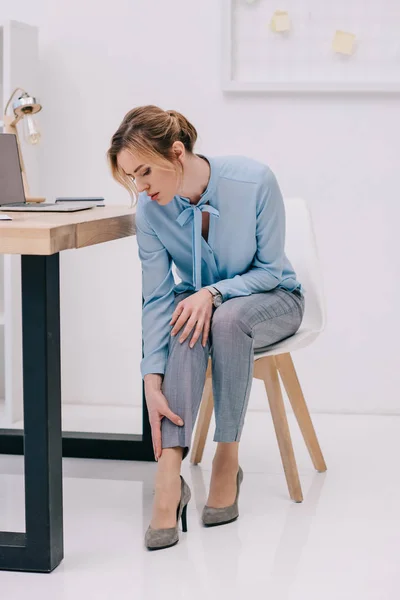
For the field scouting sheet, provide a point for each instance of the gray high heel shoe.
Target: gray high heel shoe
(221, 516)
(158, 539)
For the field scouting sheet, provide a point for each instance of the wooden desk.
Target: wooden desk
(39, 238)
(43, 233)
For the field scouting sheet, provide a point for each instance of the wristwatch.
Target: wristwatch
(217, 296)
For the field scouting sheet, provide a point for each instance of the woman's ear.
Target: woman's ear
(179, 151)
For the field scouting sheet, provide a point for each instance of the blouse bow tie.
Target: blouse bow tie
(195, 212)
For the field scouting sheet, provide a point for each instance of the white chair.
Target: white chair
(302, 252)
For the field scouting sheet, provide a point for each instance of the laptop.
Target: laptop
(12, 194)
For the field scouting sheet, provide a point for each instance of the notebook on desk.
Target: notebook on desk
(12, 194)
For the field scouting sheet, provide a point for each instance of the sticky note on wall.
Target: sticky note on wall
(280, 21)
(343, 42)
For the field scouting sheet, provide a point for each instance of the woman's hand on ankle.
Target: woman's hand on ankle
(158, 408)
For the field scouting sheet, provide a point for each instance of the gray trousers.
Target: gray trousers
(240, 327)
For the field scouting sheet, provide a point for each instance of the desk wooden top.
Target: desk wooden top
(44, 233)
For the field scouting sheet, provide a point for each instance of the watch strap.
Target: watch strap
(214, 291)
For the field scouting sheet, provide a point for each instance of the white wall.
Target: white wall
(340, 153)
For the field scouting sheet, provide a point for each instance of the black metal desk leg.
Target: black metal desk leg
(40, 549)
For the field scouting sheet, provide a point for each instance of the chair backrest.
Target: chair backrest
(301, 250)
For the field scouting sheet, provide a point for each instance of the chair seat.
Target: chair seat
(302, 338)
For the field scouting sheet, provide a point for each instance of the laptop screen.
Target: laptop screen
(11, 186)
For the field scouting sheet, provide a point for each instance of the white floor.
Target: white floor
(342, 542)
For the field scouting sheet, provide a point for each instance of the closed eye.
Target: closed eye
(146, 172)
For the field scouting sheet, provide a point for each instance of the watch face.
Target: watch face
(218, 300)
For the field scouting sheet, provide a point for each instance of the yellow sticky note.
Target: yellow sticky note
(280, 21)
(343, 42)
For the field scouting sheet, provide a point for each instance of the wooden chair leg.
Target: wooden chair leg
(265, 368)
(203, 423)
(293, 389)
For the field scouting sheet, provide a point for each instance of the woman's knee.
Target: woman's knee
(229, 317)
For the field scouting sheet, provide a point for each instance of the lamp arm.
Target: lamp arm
(12, 96)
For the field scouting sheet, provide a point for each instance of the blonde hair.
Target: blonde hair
(150, 132)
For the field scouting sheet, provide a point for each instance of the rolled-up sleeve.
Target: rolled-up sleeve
(158, 296)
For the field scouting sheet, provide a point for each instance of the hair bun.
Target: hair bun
(187, 133)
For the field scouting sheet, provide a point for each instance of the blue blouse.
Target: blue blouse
(244, 253)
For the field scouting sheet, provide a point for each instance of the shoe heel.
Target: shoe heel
(184, 519)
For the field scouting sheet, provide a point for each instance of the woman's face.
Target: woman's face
(159, 182)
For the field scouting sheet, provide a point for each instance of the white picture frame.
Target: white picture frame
(232, 83)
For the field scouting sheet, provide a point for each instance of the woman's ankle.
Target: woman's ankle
(227, 454)
(169, 464)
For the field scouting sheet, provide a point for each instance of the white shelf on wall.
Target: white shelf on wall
(3, 413)
(18, 68)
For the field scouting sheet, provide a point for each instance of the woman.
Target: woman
(221, 221)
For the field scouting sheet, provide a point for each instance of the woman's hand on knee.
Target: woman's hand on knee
(158, 408)
(196, 310)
